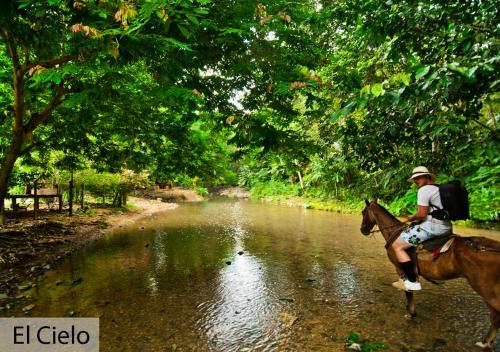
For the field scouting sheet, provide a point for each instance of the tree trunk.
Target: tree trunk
(2, 211)
(8, 162)
(116, 199)
(35, 200)
(300, 179)
(71, 194)
(83, 197)
(124, 198)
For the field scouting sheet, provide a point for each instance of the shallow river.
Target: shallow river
(305, 279)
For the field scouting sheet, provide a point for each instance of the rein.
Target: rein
(393, 235)
(388, 227)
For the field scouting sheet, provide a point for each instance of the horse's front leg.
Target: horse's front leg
(487, 343)
(410, 306)
(410, 302)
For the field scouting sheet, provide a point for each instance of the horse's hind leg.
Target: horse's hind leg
(487, 343)
(410, 306)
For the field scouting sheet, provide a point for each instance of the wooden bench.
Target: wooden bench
(41, 193)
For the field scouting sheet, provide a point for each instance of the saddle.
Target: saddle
(432, 248)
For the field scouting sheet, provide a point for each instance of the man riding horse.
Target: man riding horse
(428, 201)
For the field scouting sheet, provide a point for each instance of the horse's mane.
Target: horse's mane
(387, 212)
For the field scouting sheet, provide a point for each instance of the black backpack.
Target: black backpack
(455, 200)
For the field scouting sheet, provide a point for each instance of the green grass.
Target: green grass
(284, 192)
(131, 207)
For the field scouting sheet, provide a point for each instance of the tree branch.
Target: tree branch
(48, 63)
(44, 115)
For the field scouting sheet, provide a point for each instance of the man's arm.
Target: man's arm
(421, 213)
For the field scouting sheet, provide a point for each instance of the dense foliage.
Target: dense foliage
(406, 84)
(322, 99)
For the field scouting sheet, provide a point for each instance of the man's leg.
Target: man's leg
(400, 246)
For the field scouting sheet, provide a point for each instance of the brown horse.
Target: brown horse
(477, 259)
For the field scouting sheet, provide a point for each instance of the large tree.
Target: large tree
(52, 46)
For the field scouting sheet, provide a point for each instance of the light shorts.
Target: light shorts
(424, 231)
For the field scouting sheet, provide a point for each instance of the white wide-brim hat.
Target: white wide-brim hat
(420, 171)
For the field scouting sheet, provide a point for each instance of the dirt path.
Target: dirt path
(30, 247)
(174, 194)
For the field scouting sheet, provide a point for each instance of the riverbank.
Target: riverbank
(355, 207)
(29, 247)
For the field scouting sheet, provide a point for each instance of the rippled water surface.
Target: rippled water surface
(178, 281)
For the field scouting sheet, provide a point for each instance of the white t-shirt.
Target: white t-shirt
(427, 195)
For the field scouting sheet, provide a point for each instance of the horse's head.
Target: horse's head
(368, 221)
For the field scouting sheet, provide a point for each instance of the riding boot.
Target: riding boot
(410, 282)
(409, 270)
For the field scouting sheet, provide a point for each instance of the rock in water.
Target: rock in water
(28, 308)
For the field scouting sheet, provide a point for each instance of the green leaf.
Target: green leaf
(185, 32)
(421, 72)
(365, 90)
(352, 337)
(378, 89)
(193, 19)
(406, 78)
(373, 346)
(56, 78)
(227, 31)
(178, 44)
(361, 102)
(393, 96)
(201, 11)
(470, 73)
(455, 67)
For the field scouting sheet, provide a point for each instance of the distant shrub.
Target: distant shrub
(202, 191)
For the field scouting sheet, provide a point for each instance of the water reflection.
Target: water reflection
(242, 312)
